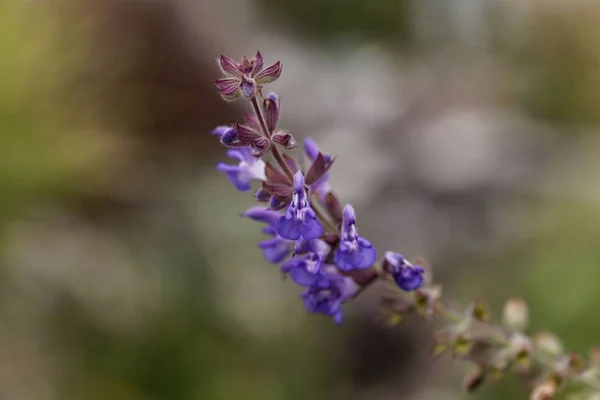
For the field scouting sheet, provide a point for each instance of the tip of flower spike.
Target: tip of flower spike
(349, 215)
(298, 182)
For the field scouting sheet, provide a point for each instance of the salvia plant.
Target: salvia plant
(315, 240)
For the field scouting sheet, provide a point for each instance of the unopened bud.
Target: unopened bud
(576, 363)
(425, 298)
(262, 195)
(515, 314)
(480, 311)
(548, 343)
(545, 391)
(271, 105)
(285, 139)
(461, 346)
(474, 378)
(521, 348)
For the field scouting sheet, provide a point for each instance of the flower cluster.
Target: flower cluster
(315, 242)
(311, 236)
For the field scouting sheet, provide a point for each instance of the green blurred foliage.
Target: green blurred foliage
(42, 155)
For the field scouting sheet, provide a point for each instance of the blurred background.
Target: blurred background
(466, 132)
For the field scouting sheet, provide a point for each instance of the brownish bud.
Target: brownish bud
(462, 345)
(544, 391)
(480, 311)
(515, 314)
(425, 299)
(474, 378)
(576, 363)
(285, 139)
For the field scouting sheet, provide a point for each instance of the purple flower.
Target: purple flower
(407, 276)
(329, 300)
(245, 78)
(322, 185)
(248, 169)
(354, 252)
(276, 249)
(300, 220)
(306, 270)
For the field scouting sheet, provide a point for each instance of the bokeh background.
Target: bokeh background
(466, 131)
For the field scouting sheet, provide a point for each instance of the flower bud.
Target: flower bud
(462, 345)
(276, 203)
(576, 363)
(262, 195)
(521, 348)
(515, 314)
(480, 311)
(271, 106)
(285, 139)
(260, 147)
(548, 343)
(474, 378)
(499, 363)
(544, 391)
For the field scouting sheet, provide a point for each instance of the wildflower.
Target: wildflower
(321, 185)
(407, 276)
(246, 78)
(329, 300)
(248, 169)
(300, 220)
(306, 269)
(355, 252)
(276, 249)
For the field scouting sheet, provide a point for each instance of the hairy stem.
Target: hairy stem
(276, 153)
